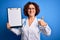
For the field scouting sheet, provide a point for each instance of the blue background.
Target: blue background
(50, 9)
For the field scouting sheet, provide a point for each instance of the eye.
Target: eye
(29, 8)
(33, 8)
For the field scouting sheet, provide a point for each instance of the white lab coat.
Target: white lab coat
(32, 32)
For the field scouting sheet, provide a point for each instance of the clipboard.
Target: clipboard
(14, 17)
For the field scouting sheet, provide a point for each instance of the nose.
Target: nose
(30, 9)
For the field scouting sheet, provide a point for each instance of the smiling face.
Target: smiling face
(31, 10)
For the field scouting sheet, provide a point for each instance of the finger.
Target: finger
(42, 18)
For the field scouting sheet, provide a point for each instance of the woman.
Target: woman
(32, 27)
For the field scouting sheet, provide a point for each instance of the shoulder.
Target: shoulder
(24, 19)
(38, 19)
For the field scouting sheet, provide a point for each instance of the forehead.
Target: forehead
(31, 5)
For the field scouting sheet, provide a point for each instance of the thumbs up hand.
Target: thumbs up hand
(42, 22)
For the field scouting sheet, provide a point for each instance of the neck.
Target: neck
(31, 17)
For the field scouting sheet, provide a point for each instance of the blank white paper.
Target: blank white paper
(14, 16)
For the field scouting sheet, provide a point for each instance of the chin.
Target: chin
(31, 15)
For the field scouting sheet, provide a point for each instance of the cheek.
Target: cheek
(28, 11)
(33, 11)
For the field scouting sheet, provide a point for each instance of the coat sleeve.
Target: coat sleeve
(17, 31)
(46, 30)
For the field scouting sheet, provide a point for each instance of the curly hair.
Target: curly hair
(27, 6)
